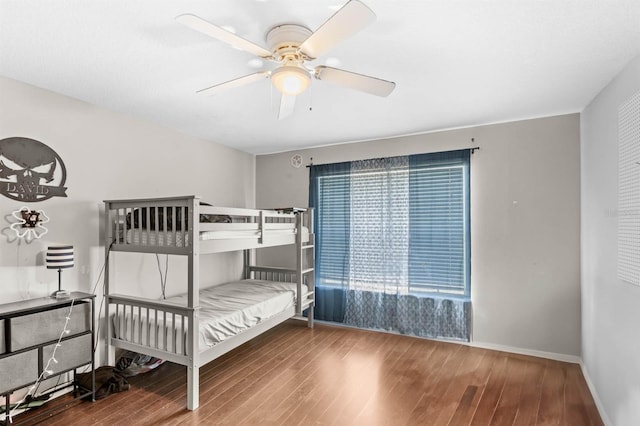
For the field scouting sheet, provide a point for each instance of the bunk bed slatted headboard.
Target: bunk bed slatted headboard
(152, 225)
(272, 274)
(151, 325)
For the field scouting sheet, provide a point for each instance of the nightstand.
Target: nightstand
(29, 332)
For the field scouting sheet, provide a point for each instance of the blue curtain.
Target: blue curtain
(329, 193)
(424, 316)
(392, 244)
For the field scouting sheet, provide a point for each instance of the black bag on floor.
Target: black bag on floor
(107, 382)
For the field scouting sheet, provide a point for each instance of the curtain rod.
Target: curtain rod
(472, 149)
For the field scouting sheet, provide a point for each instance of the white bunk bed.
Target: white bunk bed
(192, 329)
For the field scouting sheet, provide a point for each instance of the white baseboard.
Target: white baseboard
(530, 352)
(594, 394)
(492, 346)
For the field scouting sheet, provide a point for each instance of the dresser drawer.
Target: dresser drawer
(72, 353)
(34, 329)
(18, 370)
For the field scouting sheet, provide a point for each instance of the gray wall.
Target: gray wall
(109, 156)
(525, 223)
(610, 307)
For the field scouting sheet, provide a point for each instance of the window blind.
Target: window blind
(400, 223)
(439, 251)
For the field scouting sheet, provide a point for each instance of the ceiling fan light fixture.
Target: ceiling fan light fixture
(290, 80)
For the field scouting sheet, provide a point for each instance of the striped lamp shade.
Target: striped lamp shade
(59, 257)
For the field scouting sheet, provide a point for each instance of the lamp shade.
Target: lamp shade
(290, 80)
(59, 257)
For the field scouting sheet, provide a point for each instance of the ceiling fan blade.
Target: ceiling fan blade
(205, 27)
(350, 19)
(232, 84)
(287, 105)
(352, 80)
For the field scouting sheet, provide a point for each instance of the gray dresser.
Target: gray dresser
(29, 332)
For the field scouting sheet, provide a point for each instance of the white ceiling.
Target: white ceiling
(456, 63)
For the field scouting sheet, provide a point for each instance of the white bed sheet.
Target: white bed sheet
(225, 311)
(171, 239)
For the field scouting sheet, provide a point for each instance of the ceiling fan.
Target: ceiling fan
(291, 46)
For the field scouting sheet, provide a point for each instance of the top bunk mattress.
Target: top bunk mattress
(180, 239)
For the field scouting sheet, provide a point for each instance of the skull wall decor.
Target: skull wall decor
(30, 171)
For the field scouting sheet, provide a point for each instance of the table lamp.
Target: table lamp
(59, 257)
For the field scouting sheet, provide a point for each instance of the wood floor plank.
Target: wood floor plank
(334, 375)
(531, 392)
(262, 405)
(229, 399)
(551, 410)
(507, 407)
(224, 390)
(459, 385)
(432, 388)
(492, 392)
(403, 360)
(319, 384)
(230, 369)
(580, 408)
(351, 368)
(440, 400)
(476, 384)
(364, 391)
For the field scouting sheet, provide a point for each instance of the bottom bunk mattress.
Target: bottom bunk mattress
(226, 310)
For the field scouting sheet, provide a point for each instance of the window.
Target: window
(397, 225)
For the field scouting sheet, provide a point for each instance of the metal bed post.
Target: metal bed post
(110, 352)
(299, 263)
(193, 369)
(247, 263)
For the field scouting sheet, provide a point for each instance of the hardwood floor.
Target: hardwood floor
(334, 375)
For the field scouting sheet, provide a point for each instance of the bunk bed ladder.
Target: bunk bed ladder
(305, 262)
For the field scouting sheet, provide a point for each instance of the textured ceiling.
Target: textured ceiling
(456, 63)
